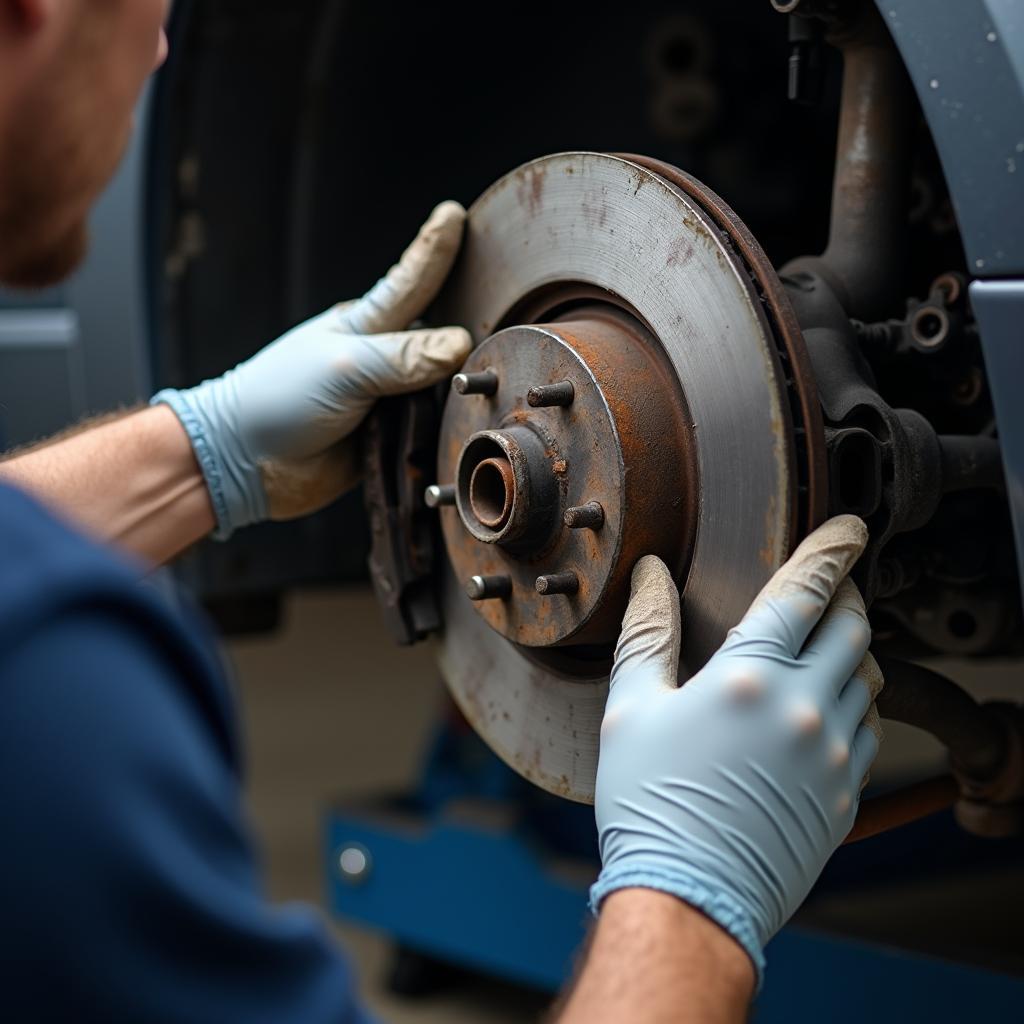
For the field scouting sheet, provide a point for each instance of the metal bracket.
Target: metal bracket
(399, 453)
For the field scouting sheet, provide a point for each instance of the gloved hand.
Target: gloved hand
(732, 791)
(273, 436)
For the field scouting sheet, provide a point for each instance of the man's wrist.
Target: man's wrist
(719, 947)
(655, 958)
(132, 481)
(692, 887)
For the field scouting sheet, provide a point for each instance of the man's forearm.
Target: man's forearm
(131, 481)
(656, 960)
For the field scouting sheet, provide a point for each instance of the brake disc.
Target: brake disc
(638, 386)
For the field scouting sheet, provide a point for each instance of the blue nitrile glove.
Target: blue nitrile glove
(273, 436)
(732, 791)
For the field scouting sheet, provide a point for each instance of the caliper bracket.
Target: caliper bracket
(399, 458)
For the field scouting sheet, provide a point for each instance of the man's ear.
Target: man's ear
(28, 15)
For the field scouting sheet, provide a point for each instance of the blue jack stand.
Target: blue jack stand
(478, 870)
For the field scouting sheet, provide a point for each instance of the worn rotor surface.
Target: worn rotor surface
(546, 245)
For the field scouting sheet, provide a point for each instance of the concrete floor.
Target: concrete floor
(332, 708)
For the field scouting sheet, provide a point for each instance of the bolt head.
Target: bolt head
(353, 863)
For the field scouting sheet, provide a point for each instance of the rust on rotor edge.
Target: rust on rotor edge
(806, 426)
(660, 483)
(562, 302)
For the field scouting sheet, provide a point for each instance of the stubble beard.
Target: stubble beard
(55, 159)
(34, 260)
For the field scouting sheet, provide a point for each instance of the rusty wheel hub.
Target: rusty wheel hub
(638, 386)
(571, 457)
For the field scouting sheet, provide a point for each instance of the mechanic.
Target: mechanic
(128, 876)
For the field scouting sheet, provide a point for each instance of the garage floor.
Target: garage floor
(332, 708)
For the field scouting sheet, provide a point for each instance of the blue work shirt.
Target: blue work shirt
(129, 888)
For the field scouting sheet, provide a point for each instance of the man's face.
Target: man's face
(63, 140)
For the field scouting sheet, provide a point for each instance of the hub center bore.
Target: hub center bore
(573, 463)
(492, 491)
(504, 492)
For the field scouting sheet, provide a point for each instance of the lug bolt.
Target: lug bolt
(545, 395)
(438, 495)
(487, 588)
(558, 583)
(584, 517)
(483, 383)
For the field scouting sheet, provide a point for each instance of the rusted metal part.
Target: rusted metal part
(576, 229)
(994, 807)
(520, 465)
(910, 803)
(546, 395)
(584, 517)
(492, 489)
(567, 583)
(483, 382)
(985, 743)
(986, 751)
(902, 440)
(991, 821)
(929, 327)
(400, 442)
(941, 325)
(520, 493)
(951, 286)
(919, 696)
(810, 482)
(1004, 782)
(864, 260)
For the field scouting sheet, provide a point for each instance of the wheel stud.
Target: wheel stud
(545, 395)
(483, 383)
(487, 588)
(558, 583)
(584, 517)
(438, 495)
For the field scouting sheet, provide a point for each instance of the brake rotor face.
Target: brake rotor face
(564, 241)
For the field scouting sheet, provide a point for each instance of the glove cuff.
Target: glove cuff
(722, 908)
(234, 484)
